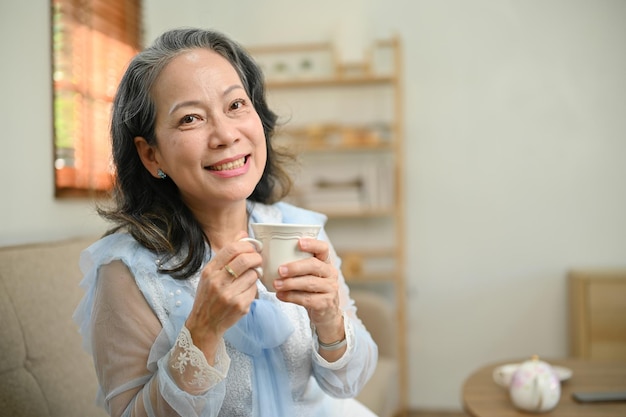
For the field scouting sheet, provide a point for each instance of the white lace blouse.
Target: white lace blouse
(132, 322)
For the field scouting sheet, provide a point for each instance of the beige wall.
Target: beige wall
(28, 210)
(516, 148)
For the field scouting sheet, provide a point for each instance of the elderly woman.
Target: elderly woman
(175, 315)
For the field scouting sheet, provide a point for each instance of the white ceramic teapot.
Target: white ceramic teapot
(535, 386)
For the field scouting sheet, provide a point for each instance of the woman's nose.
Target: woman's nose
(224, 132)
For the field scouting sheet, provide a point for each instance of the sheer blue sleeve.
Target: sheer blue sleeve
(144, 357)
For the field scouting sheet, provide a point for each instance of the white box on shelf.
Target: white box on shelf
(358, 182)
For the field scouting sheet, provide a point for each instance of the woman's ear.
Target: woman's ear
(148, 156)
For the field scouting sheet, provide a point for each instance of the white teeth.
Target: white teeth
(229, 165)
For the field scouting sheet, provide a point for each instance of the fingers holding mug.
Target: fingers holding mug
(313, 275)
(258, 246)
(279, 244)
(235, 260)
(319, 248)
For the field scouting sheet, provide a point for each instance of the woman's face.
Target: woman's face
(210, 139)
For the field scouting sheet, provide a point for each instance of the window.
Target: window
(92, 43)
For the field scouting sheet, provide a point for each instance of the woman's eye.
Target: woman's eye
(237, 104)
(190, 118)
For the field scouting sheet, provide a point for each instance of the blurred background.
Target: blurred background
(514, 155)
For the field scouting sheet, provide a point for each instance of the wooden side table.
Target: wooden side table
(482, 397)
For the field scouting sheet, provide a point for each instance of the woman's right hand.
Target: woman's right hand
(222, 297)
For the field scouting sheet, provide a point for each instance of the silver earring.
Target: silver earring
(161, 174)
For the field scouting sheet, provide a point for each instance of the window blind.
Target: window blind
(92, 43)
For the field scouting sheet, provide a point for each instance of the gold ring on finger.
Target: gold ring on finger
(230, 271)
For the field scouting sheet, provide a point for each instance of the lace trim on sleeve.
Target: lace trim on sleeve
(190, 369)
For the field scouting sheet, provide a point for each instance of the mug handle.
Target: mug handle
(258, 245)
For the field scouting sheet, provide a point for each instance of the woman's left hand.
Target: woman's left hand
(313, 283)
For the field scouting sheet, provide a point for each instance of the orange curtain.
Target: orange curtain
(92, 43)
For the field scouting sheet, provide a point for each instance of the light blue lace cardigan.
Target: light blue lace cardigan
(318, 388)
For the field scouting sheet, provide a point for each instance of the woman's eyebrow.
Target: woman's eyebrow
(232, 87)
(191, 103)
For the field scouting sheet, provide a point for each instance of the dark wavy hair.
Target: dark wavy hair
(149, 208)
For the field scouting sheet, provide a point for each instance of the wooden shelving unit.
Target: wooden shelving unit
(346, 120)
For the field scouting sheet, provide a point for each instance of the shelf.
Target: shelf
(326, 147)
(373, 278)
(310, 65)
(346, 126)
(330, 82)
(357, 265)
(334, 137)
(364, 213)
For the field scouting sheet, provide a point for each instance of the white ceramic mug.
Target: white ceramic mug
(278, 244)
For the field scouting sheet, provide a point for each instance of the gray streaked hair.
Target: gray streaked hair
(150, 208)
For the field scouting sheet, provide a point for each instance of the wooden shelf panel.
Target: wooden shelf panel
(357, 265)
(378, 277)
(330, 82)
(326, 148)
(369, 253)
(364, 214)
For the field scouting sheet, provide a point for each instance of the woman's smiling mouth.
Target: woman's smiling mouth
(237, 163)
